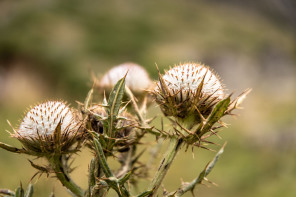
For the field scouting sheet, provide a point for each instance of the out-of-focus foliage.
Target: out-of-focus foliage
(48, 49)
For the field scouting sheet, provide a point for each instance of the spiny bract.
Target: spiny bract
(187, 88)
(187, 77)
(50, 127)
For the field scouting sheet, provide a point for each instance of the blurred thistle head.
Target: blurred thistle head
(137, 78)
(50, 127)
(188, 91)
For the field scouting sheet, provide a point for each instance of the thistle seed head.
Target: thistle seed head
(47, 124)
(137, 78)
(188, 90)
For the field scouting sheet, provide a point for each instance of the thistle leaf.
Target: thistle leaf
(209, 167)
(202, 176)
(30, 191)
(40, 168)
(125, 177)
(91, 178)
(116, 96)
(11, 148)
(19, 191)
(216, 114)
(144, 194)
(237, 101)
(102, 158)
(114, 103)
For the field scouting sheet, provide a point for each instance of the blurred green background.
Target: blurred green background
(48, 50)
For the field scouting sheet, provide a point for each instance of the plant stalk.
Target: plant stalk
(62, 175)
(165, 164)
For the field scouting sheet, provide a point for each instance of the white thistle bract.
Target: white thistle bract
(48, 126)
(188, 90)
(137, 78)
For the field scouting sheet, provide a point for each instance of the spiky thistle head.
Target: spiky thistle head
(137, 78)
(188, 91)
(50, 127)
(125, 124)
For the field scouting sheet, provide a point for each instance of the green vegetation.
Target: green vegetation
(60, 43)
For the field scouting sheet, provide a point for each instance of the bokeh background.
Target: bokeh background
(48, 50)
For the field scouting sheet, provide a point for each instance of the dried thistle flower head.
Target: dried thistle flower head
(48, 126)
(188, 91)
(137, 78)
(125, 125)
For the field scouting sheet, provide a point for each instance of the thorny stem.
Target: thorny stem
(202, 176)
(165, 164)
(111, 180)
(154, 153)
(62, 175)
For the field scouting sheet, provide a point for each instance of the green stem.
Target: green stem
(165, 164)
(57, 165)
(111, 180)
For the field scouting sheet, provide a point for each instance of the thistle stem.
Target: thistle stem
(165, 164)
(64, 178)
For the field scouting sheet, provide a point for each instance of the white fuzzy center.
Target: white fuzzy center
(44, 119)
(187, 77)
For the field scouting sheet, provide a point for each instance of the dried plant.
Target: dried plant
(190, 95)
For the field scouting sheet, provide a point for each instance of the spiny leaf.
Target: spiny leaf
(210, 165)
(216, 114)
(114, 103)
(144, 194)
(91, 178)
(125, 177)
(88, 99)
(11, 148)
(102, 158)
(40, 168)
(202, 176)
(19, 192)
(237, 101)
(30, 191)
(116, 96)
